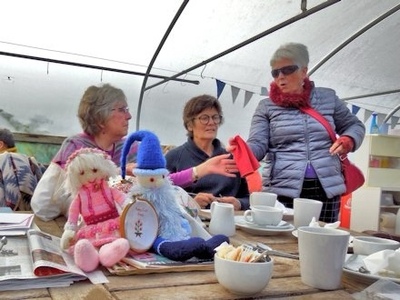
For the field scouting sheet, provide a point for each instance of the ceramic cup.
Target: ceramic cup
(263, 198)
(222, 219)
(305, 210)
(263, 215)
(322, 253)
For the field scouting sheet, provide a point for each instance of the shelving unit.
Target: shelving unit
(379, 159)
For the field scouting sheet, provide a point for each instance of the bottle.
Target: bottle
(374, 129)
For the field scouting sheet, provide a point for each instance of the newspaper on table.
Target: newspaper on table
(12, 224)
(36, 261)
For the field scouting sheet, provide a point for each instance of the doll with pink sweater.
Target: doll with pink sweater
(97, 240)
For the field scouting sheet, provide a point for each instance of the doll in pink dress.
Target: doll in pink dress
(98, 239)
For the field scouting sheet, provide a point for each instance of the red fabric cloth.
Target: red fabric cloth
(254, 182)
(247, 164)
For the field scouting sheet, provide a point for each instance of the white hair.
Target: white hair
(88, 159)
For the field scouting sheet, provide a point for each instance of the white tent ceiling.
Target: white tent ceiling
(42, 96)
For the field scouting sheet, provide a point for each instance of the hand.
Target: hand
(342, 145)
(221, 164)
(66, 238)
(129, 168)
(204, 199)
(232, 200)
(231, 145)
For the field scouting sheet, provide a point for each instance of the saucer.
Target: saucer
(282, 224)
(262, 230)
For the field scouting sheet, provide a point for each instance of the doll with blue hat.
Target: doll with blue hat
(180, 237)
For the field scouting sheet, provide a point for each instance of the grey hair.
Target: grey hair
(7, 137)
(296, 52)
(96, 105)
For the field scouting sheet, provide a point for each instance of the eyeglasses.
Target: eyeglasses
(285, 70)
(205, 119)
(122, 110)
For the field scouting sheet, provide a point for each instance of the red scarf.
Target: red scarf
(290, 99)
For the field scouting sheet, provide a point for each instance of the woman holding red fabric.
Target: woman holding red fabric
(301, 160)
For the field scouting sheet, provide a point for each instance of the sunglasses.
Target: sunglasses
(285, 70)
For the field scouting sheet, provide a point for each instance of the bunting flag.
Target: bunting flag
(354, 109)
(235, 93)
(247, 97)
(220, 87)
(381, 118)
(383, 127)
(264, 91)
(367, 114)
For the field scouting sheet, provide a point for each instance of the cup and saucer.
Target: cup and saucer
(263, 220)
(281, 224)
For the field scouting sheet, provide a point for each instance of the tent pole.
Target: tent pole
(142, 90)
(371, 95)
(258, 36)
(391, 113)
(353, 37)
(62, 62)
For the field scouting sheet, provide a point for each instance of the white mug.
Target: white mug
(263, 215)
(222, 219)
(305, 210)
(263, 198)
(322, 252)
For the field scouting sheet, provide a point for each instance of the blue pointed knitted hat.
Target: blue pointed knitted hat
(150, 159)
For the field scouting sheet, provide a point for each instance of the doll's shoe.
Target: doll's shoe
(209, 246)
(86, 256)
(113, 252)
(180, 250)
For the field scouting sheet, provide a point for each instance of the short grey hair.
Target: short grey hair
(7, 137)
(296, 52)
(96, 106)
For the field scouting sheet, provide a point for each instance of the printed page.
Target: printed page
(47, 256)
(15, 259)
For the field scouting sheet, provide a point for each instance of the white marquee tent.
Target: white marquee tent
(50, 51)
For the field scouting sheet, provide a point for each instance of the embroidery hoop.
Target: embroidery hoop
(139, 224)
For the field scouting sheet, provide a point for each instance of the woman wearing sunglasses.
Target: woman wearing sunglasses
(300, 158)
(202, 116)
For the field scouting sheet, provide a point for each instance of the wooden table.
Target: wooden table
(285, 282)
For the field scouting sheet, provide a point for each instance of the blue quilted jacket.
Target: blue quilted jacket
(287, 140)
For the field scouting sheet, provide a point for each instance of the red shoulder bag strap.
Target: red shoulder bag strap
(316, 115)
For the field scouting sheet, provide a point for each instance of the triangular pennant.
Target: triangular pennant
(367, 114)
(220, 87)
(381, 118)
(235, 93)
(264, 91)
(354, 109)
(247, 97)
(393, 122)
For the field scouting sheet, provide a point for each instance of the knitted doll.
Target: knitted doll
(174, 240)
(98, 240)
